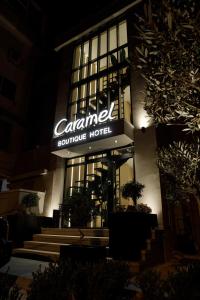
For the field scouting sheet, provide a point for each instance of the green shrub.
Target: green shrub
(30, 200)
(132, 189)
(184, 284)
(79, 281)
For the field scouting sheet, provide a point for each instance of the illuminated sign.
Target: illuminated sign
(63, 127)
(86, 136)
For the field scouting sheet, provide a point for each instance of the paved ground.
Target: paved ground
(22, 267)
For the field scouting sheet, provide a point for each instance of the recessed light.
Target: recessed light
(89, 147)
(116, 141)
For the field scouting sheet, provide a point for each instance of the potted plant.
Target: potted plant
(133, 190)
(78, 207)
(30, 201)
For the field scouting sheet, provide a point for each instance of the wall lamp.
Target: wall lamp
(143, 129)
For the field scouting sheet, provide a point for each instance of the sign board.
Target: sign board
(79, 136)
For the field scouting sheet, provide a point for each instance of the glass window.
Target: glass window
(77, 57)
(93, 68)
(83, 91)
(103, 64)
(103, 43)
(75, 76)
(122, 33)
(92, 60)
(94, 48)
(86, 52)
(84, 72)
(112, 38)
(92, 87)
(113, 61)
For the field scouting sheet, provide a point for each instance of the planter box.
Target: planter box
(128, 232)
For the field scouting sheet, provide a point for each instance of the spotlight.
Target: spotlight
(143, 129)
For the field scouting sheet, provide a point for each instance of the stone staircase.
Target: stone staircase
(47, 244)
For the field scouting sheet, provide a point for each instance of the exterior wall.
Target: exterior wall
(146, 170)
(13, 112)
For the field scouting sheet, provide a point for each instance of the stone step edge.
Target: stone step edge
(71, 236)
(17, 250)
(46, 243)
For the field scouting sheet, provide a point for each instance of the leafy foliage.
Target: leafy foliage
(72, 280)
(144, 208)
(79, 204)
(30, 200)
(184, 283)
(181, 160)
(8, 288)
(168, 56)
(132, 189)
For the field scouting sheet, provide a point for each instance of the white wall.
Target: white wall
(146, 170)
(54, 194)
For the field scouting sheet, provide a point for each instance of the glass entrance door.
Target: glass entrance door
(103, 175)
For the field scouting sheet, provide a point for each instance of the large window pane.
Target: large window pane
(83, 91)
(94, 48)
(85, 52)
(102, 83)
(103, 43)
(103, 64)
(112, 38)
(75, 76)
(92, 87)
(77, 57)
(74, 95)
(84, 72)
(93, 68)
(122, 33)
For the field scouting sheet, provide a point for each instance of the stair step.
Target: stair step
(101, 232)
(28, 252)
(44, 246)
(76, 240)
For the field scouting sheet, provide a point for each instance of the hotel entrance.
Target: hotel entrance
(102, 174)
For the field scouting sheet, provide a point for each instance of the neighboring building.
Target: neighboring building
(27, 100)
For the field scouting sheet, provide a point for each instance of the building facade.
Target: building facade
(101, 132)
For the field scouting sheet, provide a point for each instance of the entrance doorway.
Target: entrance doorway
(103, 174)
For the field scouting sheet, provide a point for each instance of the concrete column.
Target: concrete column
(146, 170)
(55, 180)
